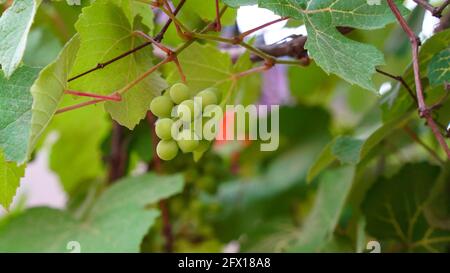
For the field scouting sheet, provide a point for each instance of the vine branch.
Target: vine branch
(435, 11)
(401, 81)
(424, 111)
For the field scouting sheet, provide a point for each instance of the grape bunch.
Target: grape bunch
(177, 109)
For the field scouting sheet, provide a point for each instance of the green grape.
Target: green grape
(186, 110)
(187, 142)
(161, 107)
(216, 91)
(163, 128)
(208, 97)
(167, 149)
(179, 92)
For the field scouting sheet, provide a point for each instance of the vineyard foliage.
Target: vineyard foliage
(364, 125)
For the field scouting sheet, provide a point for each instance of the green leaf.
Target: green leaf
(325, 158)
(394, 209)
(347, 149)
(333, 52)
(15, 112)
(437, 210)
(207, 12)
(137, 191)
(204, 66)
(439, 68)
(15, 24)
(117, 222)
(352, 150)
(240, 3)
(10, 175)
(33, 107)
(334, 187)
(48, 90)
(399, 101)
(106, 31)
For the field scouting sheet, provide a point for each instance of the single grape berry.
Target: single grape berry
(161, 107)
(187, 142)
(186, 110)
(179, 92)
(167, 149)
(163, 128)
(216, 91)
(208, 97)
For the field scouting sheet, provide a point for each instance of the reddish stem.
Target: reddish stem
(172, 15)
(218, 25)
(153, 41)
(77, 106)
(180, 69)
(258, 69)
(144, 75)
(113, 97)
(170, 53)
(248, 32)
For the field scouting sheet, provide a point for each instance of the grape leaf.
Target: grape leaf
(394, 208)
(240, 3)
(204, 66)
(439, 68)
(15, 112)
(106, 228)
(10, 175)
(106, 31)
(48, 90)
(333, 52)
(437, 210)
(318, 228)
(15, 25)
(23, 124)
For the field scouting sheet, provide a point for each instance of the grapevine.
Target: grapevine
(218, 125)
